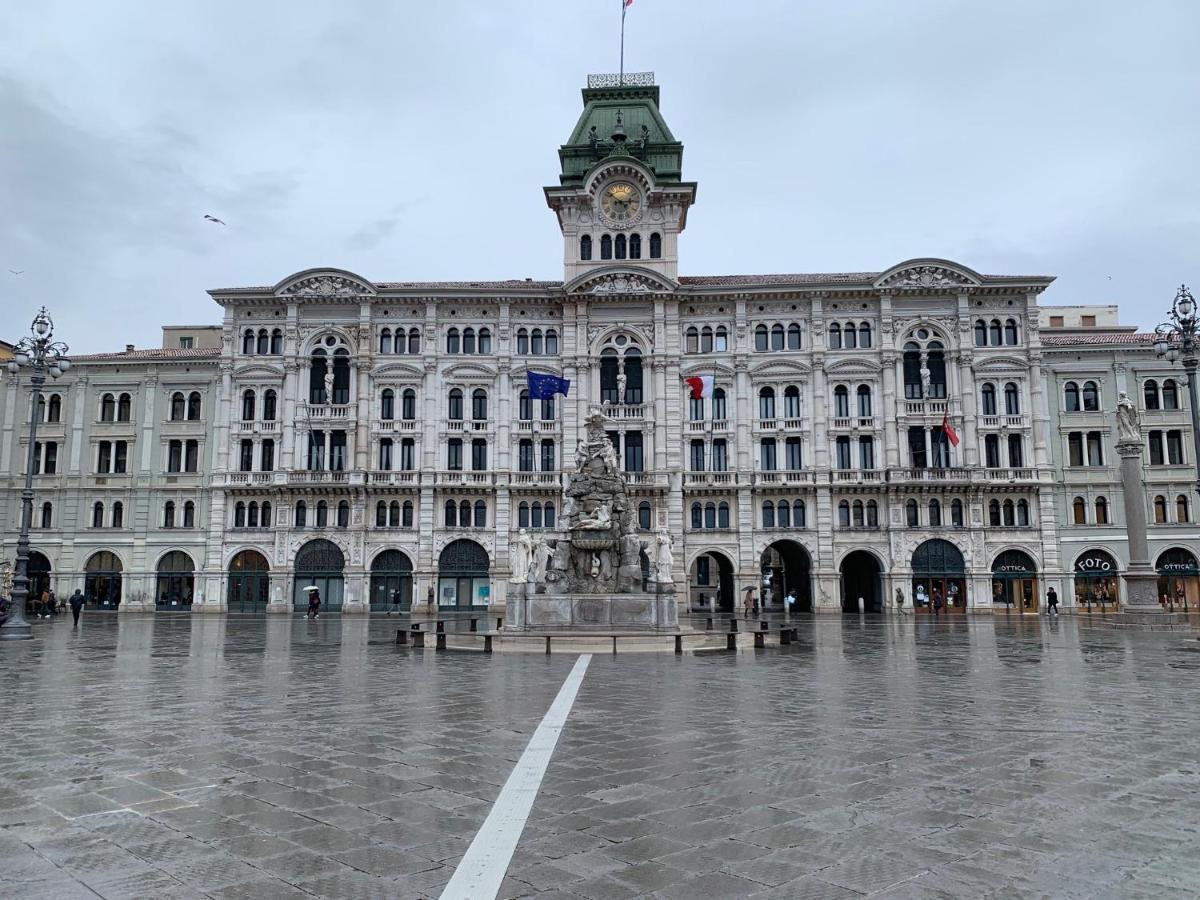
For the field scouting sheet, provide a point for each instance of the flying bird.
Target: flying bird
(209, 218)
(16, 271)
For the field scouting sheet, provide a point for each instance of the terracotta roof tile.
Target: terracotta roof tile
(1098, 339)
(149, 355)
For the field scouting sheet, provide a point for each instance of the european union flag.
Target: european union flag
(543, 386)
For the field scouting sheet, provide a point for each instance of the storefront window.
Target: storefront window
(1178, 580)
(939, 578)
(1014, 582)
(1097, 582)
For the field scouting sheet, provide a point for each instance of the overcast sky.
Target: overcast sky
(410, 140)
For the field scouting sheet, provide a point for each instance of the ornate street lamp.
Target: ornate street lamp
(1180, 339)
(41, 355)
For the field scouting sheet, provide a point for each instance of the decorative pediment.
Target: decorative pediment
(852, 366)
(1012, 364)
(621, 282)
(521, 370)
(781, 369)
(927, 274)
(258, 371)
(325, 283)
(720, 370)
(398, 372)
(469, 371)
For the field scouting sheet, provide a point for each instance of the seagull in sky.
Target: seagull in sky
(209, 218)
(16, 271)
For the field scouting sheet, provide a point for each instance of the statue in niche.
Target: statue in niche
(1128, 426)
(622, 382)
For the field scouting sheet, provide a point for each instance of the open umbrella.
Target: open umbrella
(310, 588)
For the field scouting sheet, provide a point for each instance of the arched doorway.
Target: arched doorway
(37, 568)
(319, 563)
(463, 580)
(175, 583)
(710, 583)
(1014, 582)
(102, 580)
(391, 582)
(1097, 582)
(862, 583)
(786, 567)
(1178, 579)
(249, 588)
(939, 572)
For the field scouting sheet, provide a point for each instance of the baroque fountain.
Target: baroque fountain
(593, 580)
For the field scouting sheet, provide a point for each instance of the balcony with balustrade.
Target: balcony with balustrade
(330, 414)
(779, 477)
(709, 479)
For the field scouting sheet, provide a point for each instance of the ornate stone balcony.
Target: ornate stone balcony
(784, 477)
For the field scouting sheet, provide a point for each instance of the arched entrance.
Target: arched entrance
(175, 584)
(710, 583)
(320, 563)
(37, 569)
(391, 582)
(939, 573)
(1014, 582)
(1097, 582)
(102, 580)
(249, 588)
(463, 580)
(1178, 579)
(786, 567)
(862, 583)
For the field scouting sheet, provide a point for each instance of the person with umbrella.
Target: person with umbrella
(314, 602)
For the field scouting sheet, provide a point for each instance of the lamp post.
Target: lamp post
(1180, 339)
(41, 355)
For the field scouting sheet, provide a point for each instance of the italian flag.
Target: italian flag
(700, 385)
(951, 434)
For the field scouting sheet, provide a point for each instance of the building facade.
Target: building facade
(377, 440)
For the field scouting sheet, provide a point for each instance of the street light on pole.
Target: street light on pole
(1180, 339)
(41, 355)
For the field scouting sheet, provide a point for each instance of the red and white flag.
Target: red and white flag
(700, 385)
(951, 434)
(628, 3)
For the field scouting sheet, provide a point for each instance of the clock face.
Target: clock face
(621, 201)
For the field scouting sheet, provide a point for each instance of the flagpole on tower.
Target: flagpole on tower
(624, 6)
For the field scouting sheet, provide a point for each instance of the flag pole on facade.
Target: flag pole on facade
(625, 4)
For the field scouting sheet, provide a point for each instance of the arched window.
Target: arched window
(551, 342)
(994, 336)
(522, 341)
(452, 341)
(549, 515)
(766, 403)
(98, 515)
(124, 408)
(1182, 512)
(912, 371)
(408, 405)
(1023, 513)
(935, 514)
(169, 514)
(635, 246)
(1071, 397)
(387, 405)
(1101, 511)
(536, 346)
(937, 369)
(177, 406)
(1170, 396)
(301, 514)
(1079, 511)
(994, 513)
(793, 336)
(247, 406)
(987, 397)
(912, 514)
(1160, 510)
(398, 345)
(479, 405)
(248, 342)
(722, 514)
(485, 340)
(464, 514)
(857, 519)
(798, 514)
(239, 515)
(656, 246)
(1010, 518)
(956, 513)
(777, 340)
(277, 342)
(385, 341)
(322, 514)
(252, 515)
(414, 340)
(406, 520)
(48, 515)
(721, 339)
(606, 247)
(343, 514)
(718, 404)
(118, 514)
(761, 338)
(644, 515)
(523, 519)
(697, 515)
(619, 247)
(835, 336)
(468, 340)
(264, 342)
(791, 402)
(691, 342)
(380, 514)
(480, 514)
(849, 337)
(193, 412)
(864, 402)
(844, 514)
(872, 514)
(1010, 332)
(189, 514)
(585, 247)
(710, 515)
(864, 335)
(784, 514)
(841, 401)
(1012, 399)
(706, 340)
(451, 515)
(108, 408)
(535, 515)
(268, 411)
(768, 514)
(980, 333)
(1091, 397)
(455, 405)
(394, 514)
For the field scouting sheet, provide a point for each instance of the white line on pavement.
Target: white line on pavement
(482, 869)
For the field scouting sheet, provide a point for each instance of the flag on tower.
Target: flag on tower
(951, 434)
(627, 4)
(543, 386)
(700, 385)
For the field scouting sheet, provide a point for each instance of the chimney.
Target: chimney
(129, 348)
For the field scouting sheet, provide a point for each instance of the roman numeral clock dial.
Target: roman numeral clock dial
(621, 202)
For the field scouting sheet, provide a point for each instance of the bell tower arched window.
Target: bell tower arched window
(656, 246)
(606, 248)
(585, 247)
(619, 246)
(635, 246)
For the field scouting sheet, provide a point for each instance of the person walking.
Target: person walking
(1052, 602)
(937, 603)
(76, 601)
(900, 602)
(314, 605)
(53, 603)
(43, 611)
(791, 601)
(749, 601)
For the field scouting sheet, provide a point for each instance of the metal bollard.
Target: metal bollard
(760, 640)
(441, 626)
(547, 645)
(708, 624)
(679, 644)
(764, 625)
(733, 626)
(418, 637)
(487, 643)
(441, 641)
(401, 636)
(474, 625)
(731, 641)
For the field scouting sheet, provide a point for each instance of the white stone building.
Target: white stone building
(376, 438)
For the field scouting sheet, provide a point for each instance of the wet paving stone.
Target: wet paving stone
(264, 758)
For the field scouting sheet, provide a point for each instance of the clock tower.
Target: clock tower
(620, 200)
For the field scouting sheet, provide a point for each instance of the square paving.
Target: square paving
(263, 758)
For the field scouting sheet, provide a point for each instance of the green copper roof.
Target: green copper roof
(637, 106)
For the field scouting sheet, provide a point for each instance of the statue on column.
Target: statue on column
(1128, 425)
(328, 387)
(622, 381)
(926, 379)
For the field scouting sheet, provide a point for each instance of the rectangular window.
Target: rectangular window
(246, 456)
(1095, 449)
(939, 448)
(175, 456)
(1016, 451)
(843, 452)
(316, 451)
(385, 454)
(795, 461)
(454, 454)
(525, 456)
(767, 460)
(1174, 448)
(991, 451)
(408, 454)
(104, 458)
(1075, 448)
(635, 460)
(337, 451)
(1056, 321)
(720, 455)
(1087, 321)
(866, 453)
(268, 456)
(549, 457)
(916, 447)
(191, 456)
(479, 455)
(120, 457)
(696, 461)
(185, 343)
